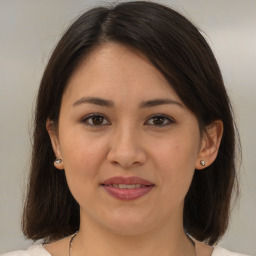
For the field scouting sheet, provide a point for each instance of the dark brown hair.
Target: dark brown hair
(176, 48)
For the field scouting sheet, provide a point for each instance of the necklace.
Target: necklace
(70, 243)
(74, 235)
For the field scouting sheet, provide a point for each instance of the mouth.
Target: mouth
(127, 188)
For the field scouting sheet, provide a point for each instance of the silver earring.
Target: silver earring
(58, 161)
(202, 162)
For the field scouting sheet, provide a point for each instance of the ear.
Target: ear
(210, 144)
(51, 129)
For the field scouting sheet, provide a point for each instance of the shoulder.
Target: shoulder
(203, 249)
(34, 250)
(219, 251)
(59, 247)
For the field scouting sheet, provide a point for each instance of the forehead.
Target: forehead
(113, 70)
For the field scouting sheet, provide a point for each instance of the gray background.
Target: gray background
(29, 29)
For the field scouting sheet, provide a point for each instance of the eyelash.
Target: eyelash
(155, 116)
(163, 117)
(91, 116)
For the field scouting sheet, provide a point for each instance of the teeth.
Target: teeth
(124, 186)
(131, 186)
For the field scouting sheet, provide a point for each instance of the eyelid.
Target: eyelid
(87, 117)
(96, 114)
(170, 120)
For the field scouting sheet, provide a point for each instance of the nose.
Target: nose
(126, 149)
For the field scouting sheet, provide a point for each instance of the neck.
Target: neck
(167, 240)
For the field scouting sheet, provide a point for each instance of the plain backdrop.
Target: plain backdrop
(29, 29)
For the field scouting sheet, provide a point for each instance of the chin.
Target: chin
(128, 224)
(128, 230)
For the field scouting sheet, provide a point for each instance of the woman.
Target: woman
(134, 140)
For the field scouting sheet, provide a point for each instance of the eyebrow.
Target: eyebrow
(95, 101)
(157, 102)
(110, 103)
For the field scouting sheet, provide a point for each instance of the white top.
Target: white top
(39, 250)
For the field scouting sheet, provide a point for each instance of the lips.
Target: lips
(127, 188)
(127, 181)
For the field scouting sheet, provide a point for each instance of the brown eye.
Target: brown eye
(95, 120)
(160, 120)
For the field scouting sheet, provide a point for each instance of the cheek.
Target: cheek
(177, 152)
(175, 160)
(82, 154)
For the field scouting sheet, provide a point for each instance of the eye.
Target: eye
(95, 120)
(159, 120)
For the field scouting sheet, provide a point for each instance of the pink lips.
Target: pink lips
(127, 188)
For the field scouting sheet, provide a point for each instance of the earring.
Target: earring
(202, 162)
(58, 161)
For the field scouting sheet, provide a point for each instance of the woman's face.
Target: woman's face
(129, 145)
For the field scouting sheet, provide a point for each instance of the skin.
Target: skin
(127, 141)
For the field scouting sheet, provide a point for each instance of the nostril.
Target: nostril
(125, 164)
(126, 156)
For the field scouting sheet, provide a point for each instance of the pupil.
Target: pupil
(158, 120)
(97, 120)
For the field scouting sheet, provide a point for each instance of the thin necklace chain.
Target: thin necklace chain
(71, 242)
(74, 235)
